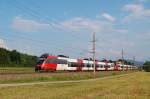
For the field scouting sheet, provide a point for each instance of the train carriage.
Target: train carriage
(59, 63)
(72, 64)
(110, 66)
(101, 66)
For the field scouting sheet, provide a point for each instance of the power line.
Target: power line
(34, 13)
(40, 45)
(29, 11)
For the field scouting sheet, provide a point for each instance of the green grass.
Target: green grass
(6, 70)
(133, 86)
(28, 75)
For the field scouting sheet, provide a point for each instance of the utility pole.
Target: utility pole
(133, 60)
(93, 51)
(122, 59)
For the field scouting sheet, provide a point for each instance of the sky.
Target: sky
(66, 27)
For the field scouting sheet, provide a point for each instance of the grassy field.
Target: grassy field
(22, 75)
(133, 86)
(12, 70)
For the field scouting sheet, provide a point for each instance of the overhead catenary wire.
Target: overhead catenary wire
(37, 46)
(28, 10)
(36, 14)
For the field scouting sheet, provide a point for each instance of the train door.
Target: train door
(80, 65)
(127, 67)
(106, 65)
(116, 67)
(62, 64)
(96, 65)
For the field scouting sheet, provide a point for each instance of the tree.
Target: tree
(4, 56)
(15, 57)
(146, 66)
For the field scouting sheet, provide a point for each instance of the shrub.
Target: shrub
(146, 66)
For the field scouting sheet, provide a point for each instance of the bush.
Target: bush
(146, 66)
(16, 59)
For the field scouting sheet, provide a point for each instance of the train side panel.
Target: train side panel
(62, 64)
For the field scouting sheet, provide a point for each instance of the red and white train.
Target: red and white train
(61, 63)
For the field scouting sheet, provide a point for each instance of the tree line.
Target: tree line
(15, 58)
(146, 66)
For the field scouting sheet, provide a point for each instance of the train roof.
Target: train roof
(63, 56)
(51, 56)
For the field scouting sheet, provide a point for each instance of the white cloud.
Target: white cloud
(108, 17)
(142, 1)
(75, 24)
(120, 30)
(80, 24)
(2, 44)
(133, 8)
(136, 11)
(25, 25)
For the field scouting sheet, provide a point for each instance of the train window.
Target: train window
(61, 61)
(96, 65)
(81, 65)
(73, 64)
(56, 61)
(88, 65)
(51, 60)
(112, 65)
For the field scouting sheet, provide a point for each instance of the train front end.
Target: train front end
(40, 62)
(47, 63)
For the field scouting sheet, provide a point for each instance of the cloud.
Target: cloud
(120, 30)
(80, 24)
(108, 17)
(2, 44)
(25, 25)
(142, 1)
(75, 24)
(136, 11)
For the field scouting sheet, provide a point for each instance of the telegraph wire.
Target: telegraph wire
(29, 11)
(35, 14)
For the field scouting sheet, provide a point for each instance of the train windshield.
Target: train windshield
(56, 61)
